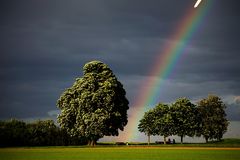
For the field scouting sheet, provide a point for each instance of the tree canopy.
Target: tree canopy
(157, 121)
(164, 121)
(214, 121)
(146, 124)
(96, 104)
(37, 133)
(184, 118)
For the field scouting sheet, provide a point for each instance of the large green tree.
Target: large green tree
(184, 117)
(214, 121)
(95, 106)
(146, 124)
(163, 121)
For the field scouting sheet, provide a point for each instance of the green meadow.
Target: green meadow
(228, 149)
(120, 153)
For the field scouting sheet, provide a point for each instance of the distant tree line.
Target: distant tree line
(39, 133)
(183, 118)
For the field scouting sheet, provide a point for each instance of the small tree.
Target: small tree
(95, 106)
(157, 121)
(146, 124)
(214, 121)
(163, 121)
(184, 117)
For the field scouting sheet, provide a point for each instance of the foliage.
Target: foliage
(146, 124)
(13, 133)
(157, 121)
(184, 118)
(39, 133)
(42, 132)
(163, 121)
(214, 121)
(95, 106)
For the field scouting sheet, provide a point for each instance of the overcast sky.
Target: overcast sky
(44, 45)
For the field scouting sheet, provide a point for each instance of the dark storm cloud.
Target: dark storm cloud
(44, 45)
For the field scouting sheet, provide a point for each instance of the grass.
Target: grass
(227, 142)
(118, 153)
(228, 149)
(230, 142)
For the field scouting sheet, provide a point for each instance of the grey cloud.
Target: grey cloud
(44, 45)
(237, 100)
(233, 107)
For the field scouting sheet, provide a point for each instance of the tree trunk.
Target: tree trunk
(164, 138)
(206, 138)
(181, 139)
(148, 139)
(91, 143)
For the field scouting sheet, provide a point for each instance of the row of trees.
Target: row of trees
(183, 118)
(96, 106)
(39, 133)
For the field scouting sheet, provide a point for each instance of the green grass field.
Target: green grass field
(120, 153)
(229, 149)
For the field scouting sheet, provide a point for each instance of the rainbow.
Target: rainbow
(164, 65)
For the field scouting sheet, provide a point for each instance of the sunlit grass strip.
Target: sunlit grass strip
(121, 153)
